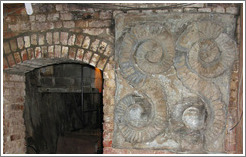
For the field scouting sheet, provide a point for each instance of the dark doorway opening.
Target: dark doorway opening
(64, 110)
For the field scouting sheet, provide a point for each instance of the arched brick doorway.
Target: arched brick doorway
(27, 52)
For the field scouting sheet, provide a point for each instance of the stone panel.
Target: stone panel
(172, 80)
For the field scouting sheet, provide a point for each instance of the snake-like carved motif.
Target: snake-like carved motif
(145, 49)
(210, 51)
(210, 92)
(139, 118)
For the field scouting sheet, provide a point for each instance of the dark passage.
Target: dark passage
(60, 116)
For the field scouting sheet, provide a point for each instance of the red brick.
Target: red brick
(45, 52)
(64, 38)
(79, 40)
(107, 109)
(59, 7)
(15, 78)
(87, 56)
(68, 24)
(107, 135)
(14, 137)
(72, 52)
(53, 17)
(101, 63)
(34, 39)
(27, 41)
(20, 83)
(24, 55)
(17, 107)
(94, 59)
(64, 52)
(86, 42)
(105, 15)
(41, 39)
(162, 152)
(58, 24)
(230, 147)
(6, 91)
(107, 150)
(107, 143)
(30, 52)
(7, 35)
(32, 18)
(71, 40)
(80, 54)
(13, 45)
(102, 47)
(57, 51)
(11, 60)
(94, 45)
(81, 24)
(40, 26)
(6, 47)
(15, 99)
(49, 38)
(135, 151)
(14, 27)
(94, 31)
(11, 19)
(56, 38)
(119, 151)
(20, 42)
(5, 63)
(41, 17)
(108, 127)
(17, 57)
(5, 26)
(51, 51)
(66, 16)
(109, 50)
(38, 53)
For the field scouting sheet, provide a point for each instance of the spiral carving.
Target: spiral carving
(210, 51)
(139, 119)
(210, 92)
(192, 113)
(146, 49)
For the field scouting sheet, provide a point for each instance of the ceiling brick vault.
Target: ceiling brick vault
(171, 71)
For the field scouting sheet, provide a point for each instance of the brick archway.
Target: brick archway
(59, 44)
(27, 52)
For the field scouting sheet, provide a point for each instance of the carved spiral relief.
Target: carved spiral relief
(210, 92)
(192, 112)
(180, 108)
(146, 49)
(210, 51)
(140, 118)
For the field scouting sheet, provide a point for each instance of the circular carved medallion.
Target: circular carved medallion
(146, 49)
(209, 51)
(138, 119)
(192, 113)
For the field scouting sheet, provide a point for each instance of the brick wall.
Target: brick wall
(13, 121)
(67, 32)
